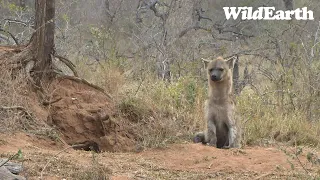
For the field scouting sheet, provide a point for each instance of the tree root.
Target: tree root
(47, 103)
(80, 80)
(25, 59)
(19, 108)
(28, 69)
(68, 63)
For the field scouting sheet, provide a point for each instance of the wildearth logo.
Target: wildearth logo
(267, 13)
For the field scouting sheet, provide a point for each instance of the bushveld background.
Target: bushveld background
(147, 55)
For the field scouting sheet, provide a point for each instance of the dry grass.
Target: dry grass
(162, 112)
(265, 123)
(165, 113)
(13, 93)
(22, 111)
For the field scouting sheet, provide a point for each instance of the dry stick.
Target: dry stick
(308, 173)
(302, 165)
(295, 154)
(41, 174)
(139, 86)
(3, 163)
(263, 175)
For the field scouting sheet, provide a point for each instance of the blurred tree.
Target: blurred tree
(288, 4)
(22, 3)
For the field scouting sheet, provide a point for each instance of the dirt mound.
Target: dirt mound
(85, 114)
(82, 113)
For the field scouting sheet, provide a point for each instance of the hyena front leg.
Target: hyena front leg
(211, 135)
(233, 135)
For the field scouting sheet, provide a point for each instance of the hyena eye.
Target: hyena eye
(220, 69)
(210, 70)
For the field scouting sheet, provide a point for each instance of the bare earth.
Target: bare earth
(177, 161)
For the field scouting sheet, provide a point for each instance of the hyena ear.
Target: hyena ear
(231, 61)
(205, 62)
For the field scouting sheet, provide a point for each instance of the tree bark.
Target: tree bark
(22, 3)
(236, 75)
(43, 42)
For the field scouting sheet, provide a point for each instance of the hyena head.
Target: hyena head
(218, 69)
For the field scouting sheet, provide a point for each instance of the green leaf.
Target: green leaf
(20, 155)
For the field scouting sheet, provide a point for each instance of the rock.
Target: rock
(14, 168)
(5, 174)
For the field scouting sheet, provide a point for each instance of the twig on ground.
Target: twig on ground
(63, 150)
(44, 168)
(263, 175)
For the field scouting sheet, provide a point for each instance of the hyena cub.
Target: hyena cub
(223, 130)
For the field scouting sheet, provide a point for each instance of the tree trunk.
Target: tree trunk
(236, 76)
(43, 41)
(22, 3)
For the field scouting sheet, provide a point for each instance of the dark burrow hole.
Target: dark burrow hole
(87, 146)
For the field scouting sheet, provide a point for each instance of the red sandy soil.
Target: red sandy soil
(177, 161)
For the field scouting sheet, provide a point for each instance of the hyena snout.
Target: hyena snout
(216, 76)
